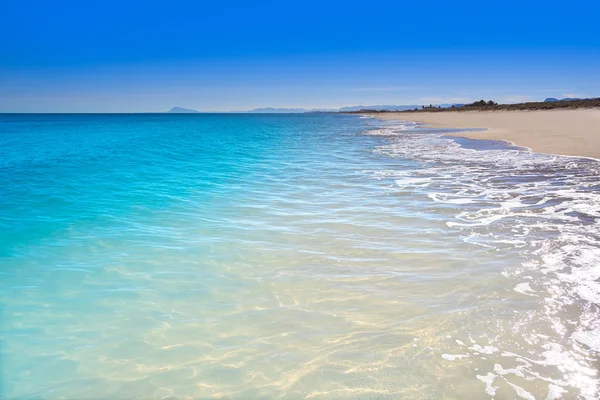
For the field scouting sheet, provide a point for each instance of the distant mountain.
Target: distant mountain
(274, 110)
(552, 99)
(393, 107)
(180, 110)
(379, 108)
(271, 110)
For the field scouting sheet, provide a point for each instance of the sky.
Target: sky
(134, 56)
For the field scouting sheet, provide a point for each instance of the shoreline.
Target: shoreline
(562, 132)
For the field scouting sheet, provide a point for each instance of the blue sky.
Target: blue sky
(130, 56)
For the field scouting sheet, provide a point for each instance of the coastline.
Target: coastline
(563, 132)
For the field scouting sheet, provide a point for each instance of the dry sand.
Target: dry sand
(566, 132)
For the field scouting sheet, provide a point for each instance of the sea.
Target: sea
(296, 256)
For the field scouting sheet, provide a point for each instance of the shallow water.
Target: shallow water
(295, 256)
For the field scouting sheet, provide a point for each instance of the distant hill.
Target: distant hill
(490, 105)
(180, 110)
(272, 110)
(379, 108)
(393, 107)
(552, 99)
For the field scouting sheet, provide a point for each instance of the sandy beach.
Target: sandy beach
(565, 132)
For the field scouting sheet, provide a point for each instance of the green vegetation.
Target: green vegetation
(482, 103)
(490, 105)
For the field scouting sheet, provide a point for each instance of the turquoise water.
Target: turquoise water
(294, 256)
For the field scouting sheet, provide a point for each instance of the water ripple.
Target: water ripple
(291, 256)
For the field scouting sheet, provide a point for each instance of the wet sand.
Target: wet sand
(565, 132)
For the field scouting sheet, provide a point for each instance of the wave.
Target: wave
(544, 208)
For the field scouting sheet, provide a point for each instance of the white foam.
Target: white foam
(484, 349)
(555, 392)
(522, 393)
(488, 379)
(525, 289)
(589, 338)
(544, 209)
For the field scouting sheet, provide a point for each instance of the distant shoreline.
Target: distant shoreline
(570, 132)
(482, 105)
